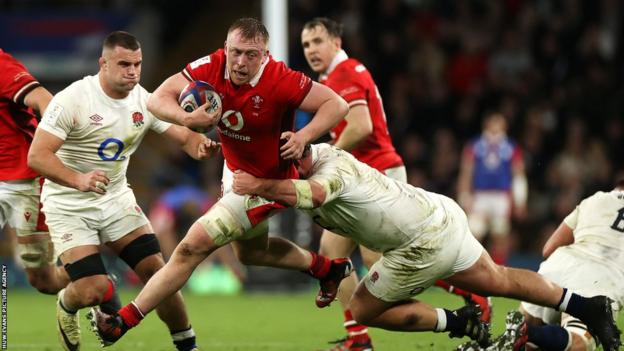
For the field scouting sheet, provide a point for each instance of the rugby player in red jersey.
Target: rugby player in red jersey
(20, 187)
(259, 96)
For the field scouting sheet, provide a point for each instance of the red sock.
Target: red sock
(131, 315)
(354, 329)
(452, 289)
(109, 292)
(320, 266)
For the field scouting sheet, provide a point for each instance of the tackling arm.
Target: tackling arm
(359, 127)
(305, 194)
(562, 236)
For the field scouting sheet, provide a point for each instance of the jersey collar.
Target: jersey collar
(254, 81)
(340, 57)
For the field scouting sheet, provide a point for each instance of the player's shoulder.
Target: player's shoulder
(208, 68)
(213, 59)
(276, 69)
(75, 89)
(598, 199)
(7, 60)
(350, 69)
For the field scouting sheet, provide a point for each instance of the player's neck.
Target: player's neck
(110, 92)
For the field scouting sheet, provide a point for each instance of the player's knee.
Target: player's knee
(42, 282)
(89, 277)
(138, 249)
(577, 330)
(249, 257)
(359, 313)
(91, 290)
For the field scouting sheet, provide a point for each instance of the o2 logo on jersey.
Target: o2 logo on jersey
(111, 146)
(233, 120)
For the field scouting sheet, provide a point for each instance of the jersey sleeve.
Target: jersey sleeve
(58, 118)
(15, 80)
(202, 68)
(347, 84)
(571, 220)
(292, 87)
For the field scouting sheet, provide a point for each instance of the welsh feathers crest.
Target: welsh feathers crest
(257, 100)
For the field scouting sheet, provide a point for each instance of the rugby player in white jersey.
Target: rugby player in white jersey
(82, 147)
(585, 253)
(423, 237)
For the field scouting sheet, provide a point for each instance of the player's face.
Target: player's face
(120, 69)
(319, 48)
(244, 57)
(495, 129)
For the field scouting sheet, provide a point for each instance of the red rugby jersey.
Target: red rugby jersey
(254, 115)
(351, 80)
(17, 122)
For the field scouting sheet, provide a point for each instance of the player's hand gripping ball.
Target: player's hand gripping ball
(196, 94)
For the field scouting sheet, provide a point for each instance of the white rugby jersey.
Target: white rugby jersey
(373, 209)
(100, 133)
(598, 227)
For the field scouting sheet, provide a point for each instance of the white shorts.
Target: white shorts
(110, 221)
(397, 173)
(237, 217)
(583, 276)
(20, 206)
(490, 210)
(407, 271)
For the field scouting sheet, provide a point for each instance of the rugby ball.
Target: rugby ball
(196, 93)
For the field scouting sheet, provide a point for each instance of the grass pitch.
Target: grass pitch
(267, 321)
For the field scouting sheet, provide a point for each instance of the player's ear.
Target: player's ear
(266, 56)
(102, 62)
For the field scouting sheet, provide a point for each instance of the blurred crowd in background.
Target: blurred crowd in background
(551, 67)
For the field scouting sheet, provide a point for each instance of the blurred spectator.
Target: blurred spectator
(492, 185)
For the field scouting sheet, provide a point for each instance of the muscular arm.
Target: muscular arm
(42, 158)
(38, 99)
(283, 191)
(163, 103)
(562, 236)
(330, 109)
(196, 145)
(359, 127)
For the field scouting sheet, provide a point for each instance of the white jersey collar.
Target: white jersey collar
(340, 57)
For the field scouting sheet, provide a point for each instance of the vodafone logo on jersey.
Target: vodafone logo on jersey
(233, 122)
